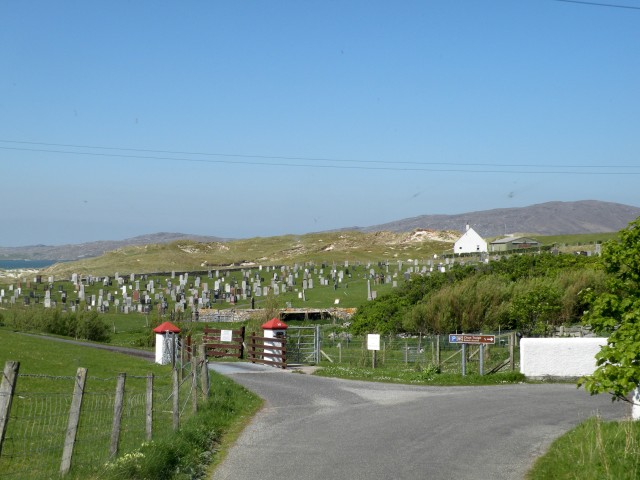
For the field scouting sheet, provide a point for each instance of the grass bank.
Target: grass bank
(413, 375)
(37, 423)
(594, 450)
(200, 443)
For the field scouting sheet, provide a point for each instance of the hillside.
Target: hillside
(551, 218)
(93, 249)
(190, 255)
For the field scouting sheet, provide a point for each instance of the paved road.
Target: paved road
(322, 428)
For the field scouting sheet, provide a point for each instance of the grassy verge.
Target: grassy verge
(412, 375)
(41, 405)
(199, 443)
(594, 450)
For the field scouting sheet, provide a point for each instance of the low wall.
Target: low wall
(559, 357)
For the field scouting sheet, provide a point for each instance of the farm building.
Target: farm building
(470, 242)
(507, 244)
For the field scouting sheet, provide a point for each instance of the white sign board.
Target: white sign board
(373, 341)
(226, 335)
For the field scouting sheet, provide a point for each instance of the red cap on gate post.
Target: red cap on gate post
(166, 327)
(275, 331)
(274, 324)
(164, 349)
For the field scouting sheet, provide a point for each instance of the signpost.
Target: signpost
(373, 344)
(465, 339)
(472, 339)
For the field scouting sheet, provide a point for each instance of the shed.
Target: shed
(511, 243)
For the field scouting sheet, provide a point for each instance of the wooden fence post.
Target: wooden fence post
(74, 419)
(194, 382)
(117, 415)
(204, 372)
(149, 407)
(252, 347)
(7, 389)
(438, 350)
(512, 337)
(176, 400)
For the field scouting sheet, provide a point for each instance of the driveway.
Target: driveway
(322, 428)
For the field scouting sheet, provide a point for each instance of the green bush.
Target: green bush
(526, 292)
(84, 325)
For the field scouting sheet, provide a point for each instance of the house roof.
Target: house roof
(470, 233)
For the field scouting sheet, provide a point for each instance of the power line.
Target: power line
(340, 167)
(595, 4)
(278, 157)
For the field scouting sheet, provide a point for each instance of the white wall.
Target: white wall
(470, 242)
(559, 357)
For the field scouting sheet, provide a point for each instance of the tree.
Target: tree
(535, 307)
(617, 313)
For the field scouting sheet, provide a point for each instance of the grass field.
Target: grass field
(38, 419)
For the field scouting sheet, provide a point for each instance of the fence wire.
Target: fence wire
(417, 351)
(39, 416)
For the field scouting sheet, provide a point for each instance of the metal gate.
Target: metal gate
(303, 345)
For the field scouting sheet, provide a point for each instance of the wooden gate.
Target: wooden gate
(224, 343)
(267, 350)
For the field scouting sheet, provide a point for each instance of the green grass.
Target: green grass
(201, 442)
(416, 375)
(39, 414)
(594, 450)
(41, 356)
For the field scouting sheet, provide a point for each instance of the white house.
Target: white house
(470, 242)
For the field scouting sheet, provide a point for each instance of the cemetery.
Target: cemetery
(305, 291)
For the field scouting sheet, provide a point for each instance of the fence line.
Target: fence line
(52, 425)
(419, 351)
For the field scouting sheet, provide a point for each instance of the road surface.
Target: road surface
(322, 428)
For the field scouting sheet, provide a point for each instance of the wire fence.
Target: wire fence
(38, 414)
(421, 351)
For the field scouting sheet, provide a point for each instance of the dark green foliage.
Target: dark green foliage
(527, 292)
(617, 313)
(534, 307)
(83, 325)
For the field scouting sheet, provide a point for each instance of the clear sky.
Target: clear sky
(260, 118)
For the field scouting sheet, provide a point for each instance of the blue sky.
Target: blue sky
(260, 118)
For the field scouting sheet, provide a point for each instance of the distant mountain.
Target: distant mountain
(94, 249)
(551, 218)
